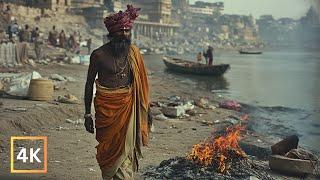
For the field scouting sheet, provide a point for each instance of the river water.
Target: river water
(281, 90)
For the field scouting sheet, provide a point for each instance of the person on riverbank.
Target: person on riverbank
(209, 55)
(25, 34)
(2, 35)
(205, 56)
(199, 57)
(38, 43)
(7, 14)
(89, 42)
(121, 101)
(53, 36)
(73, 44)
(62, 39)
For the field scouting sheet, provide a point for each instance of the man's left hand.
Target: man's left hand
(88, 123)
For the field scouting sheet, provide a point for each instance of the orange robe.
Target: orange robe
(114, 109)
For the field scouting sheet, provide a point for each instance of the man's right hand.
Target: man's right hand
(88, 124)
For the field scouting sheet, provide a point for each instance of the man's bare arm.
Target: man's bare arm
(91, 75)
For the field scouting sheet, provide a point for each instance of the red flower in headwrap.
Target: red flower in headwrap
(121, 20)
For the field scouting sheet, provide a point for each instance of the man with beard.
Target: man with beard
(121, 101)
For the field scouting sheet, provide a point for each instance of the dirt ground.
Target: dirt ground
(71, 150)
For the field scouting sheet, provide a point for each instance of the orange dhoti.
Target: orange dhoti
(121, 122)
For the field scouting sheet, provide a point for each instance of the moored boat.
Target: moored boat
(249, 52)
(184, 66)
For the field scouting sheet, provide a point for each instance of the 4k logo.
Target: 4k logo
(29, 154)
(33, 155)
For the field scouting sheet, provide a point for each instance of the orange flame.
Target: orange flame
(217, 150)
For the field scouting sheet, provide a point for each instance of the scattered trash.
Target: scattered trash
(17, 84)
(231, 120)
(59, 128)
(85, 60)
(79, 121)
(152, 129)
(173, 127)
(155, 111)
(174, 112)
(174, 98)
(191, 112)
(188, 106)
(161, 117)
(203, 103)
(57, 77)
(17, 109)
(56, 87)
(31, 62)
(176, 107)
(230, 104)
(244, 117)
(70, 79)
(217, 121)
(158, 104)
(69, 99)
(91, 170)
(208, 123)
(75, 60)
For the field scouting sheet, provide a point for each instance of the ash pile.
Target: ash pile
(182, 168)
(217, 157)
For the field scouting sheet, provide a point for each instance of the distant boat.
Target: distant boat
(249, 52)
(188, 67)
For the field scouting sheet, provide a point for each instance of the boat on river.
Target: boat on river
(189, 67)
(249, 52)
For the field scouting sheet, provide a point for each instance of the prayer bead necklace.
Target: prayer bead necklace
(121, 74)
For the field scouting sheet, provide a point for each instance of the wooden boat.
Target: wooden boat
(249, 52)
(183, 66)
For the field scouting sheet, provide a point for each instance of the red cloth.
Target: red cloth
(121, 20)
(230, 104)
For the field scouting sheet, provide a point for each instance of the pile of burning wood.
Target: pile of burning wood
(218, 157)
(220, 151)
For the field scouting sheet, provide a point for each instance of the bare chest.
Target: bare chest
(114, 72)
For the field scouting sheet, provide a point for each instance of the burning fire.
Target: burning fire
(219, 151)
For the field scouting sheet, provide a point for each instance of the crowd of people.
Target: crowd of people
(14, 32)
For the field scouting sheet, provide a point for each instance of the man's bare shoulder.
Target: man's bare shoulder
(100, 51)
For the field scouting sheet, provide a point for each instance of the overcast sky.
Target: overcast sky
(278, 8)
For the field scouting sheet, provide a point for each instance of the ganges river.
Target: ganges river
(281, 89)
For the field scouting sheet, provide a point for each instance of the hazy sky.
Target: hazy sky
(278, 8)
